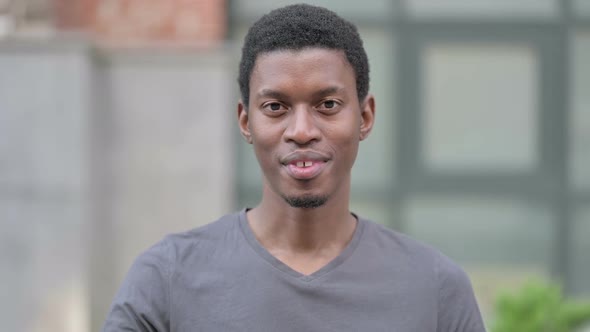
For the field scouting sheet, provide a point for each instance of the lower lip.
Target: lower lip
(305, 173)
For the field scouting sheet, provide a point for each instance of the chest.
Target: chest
(260, 301)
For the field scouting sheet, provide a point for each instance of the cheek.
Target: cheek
(346, 134)
(264, 142)
(344, 144)
(261, 133)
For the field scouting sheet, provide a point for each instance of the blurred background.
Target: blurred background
(118, 126)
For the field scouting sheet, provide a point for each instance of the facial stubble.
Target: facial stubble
(306, 201)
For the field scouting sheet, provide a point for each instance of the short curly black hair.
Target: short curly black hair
(300, 26)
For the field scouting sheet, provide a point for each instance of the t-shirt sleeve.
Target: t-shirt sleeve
(142, 302)
(457, 308)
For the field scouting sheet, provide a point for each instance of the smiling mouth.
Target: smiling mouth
(304, 163)
(305, 170)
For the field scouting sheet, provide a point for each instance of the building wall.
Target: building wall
(44, 185)
(102, 153)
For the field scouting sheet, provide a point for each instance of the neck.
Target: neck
(281, 227)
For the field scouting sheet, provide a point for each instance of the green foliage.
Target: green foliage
(539, 307)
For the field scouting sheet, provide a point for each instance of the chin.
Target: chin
(306, 201)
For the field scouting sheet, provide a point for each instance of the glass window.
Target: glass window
(480, 107)
(581, 8)
(374, 167)
(470, 9)
(580, 249)
(480, 231)
(580, 116)
(379, 211)
(500, 243)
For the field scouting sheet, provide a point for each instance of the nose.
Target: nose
(302, 127)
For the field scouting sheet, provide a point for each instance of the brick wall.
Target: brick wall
(141, 21)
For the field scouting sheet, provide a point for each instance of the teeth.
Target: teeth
(304, 163)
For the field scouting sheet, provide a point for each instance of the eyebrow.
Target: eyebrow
(270, 93)
(328, 91)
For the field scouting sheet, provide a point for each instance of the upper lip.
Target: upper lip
(304, 156)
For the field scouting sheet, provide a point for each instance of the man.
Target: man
(300, 260)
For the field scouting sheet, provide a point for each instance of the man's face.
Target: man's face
(305, 122)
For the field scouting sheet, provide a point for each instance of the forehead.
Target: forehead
(298, 67)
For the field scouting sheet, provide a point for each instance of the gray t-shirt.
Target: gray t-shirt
(219, 278)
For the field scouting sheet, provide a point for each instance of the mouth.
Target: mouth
(305, 165)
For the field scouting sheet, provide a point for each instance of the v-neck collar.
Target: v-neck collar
(278, 264)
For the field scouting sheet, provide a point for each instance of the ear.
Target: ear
(243, 122)
(367, 116)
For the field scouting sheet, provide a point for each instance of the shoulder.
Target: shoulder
(400, 245)
(212, 230)
(162, 255)
(143, 300)
(391, 240)
(450, 275)
(457, 309)
(204, 237)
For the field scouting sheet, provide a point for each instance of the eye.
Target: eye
(274, 106)
(329, 104)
